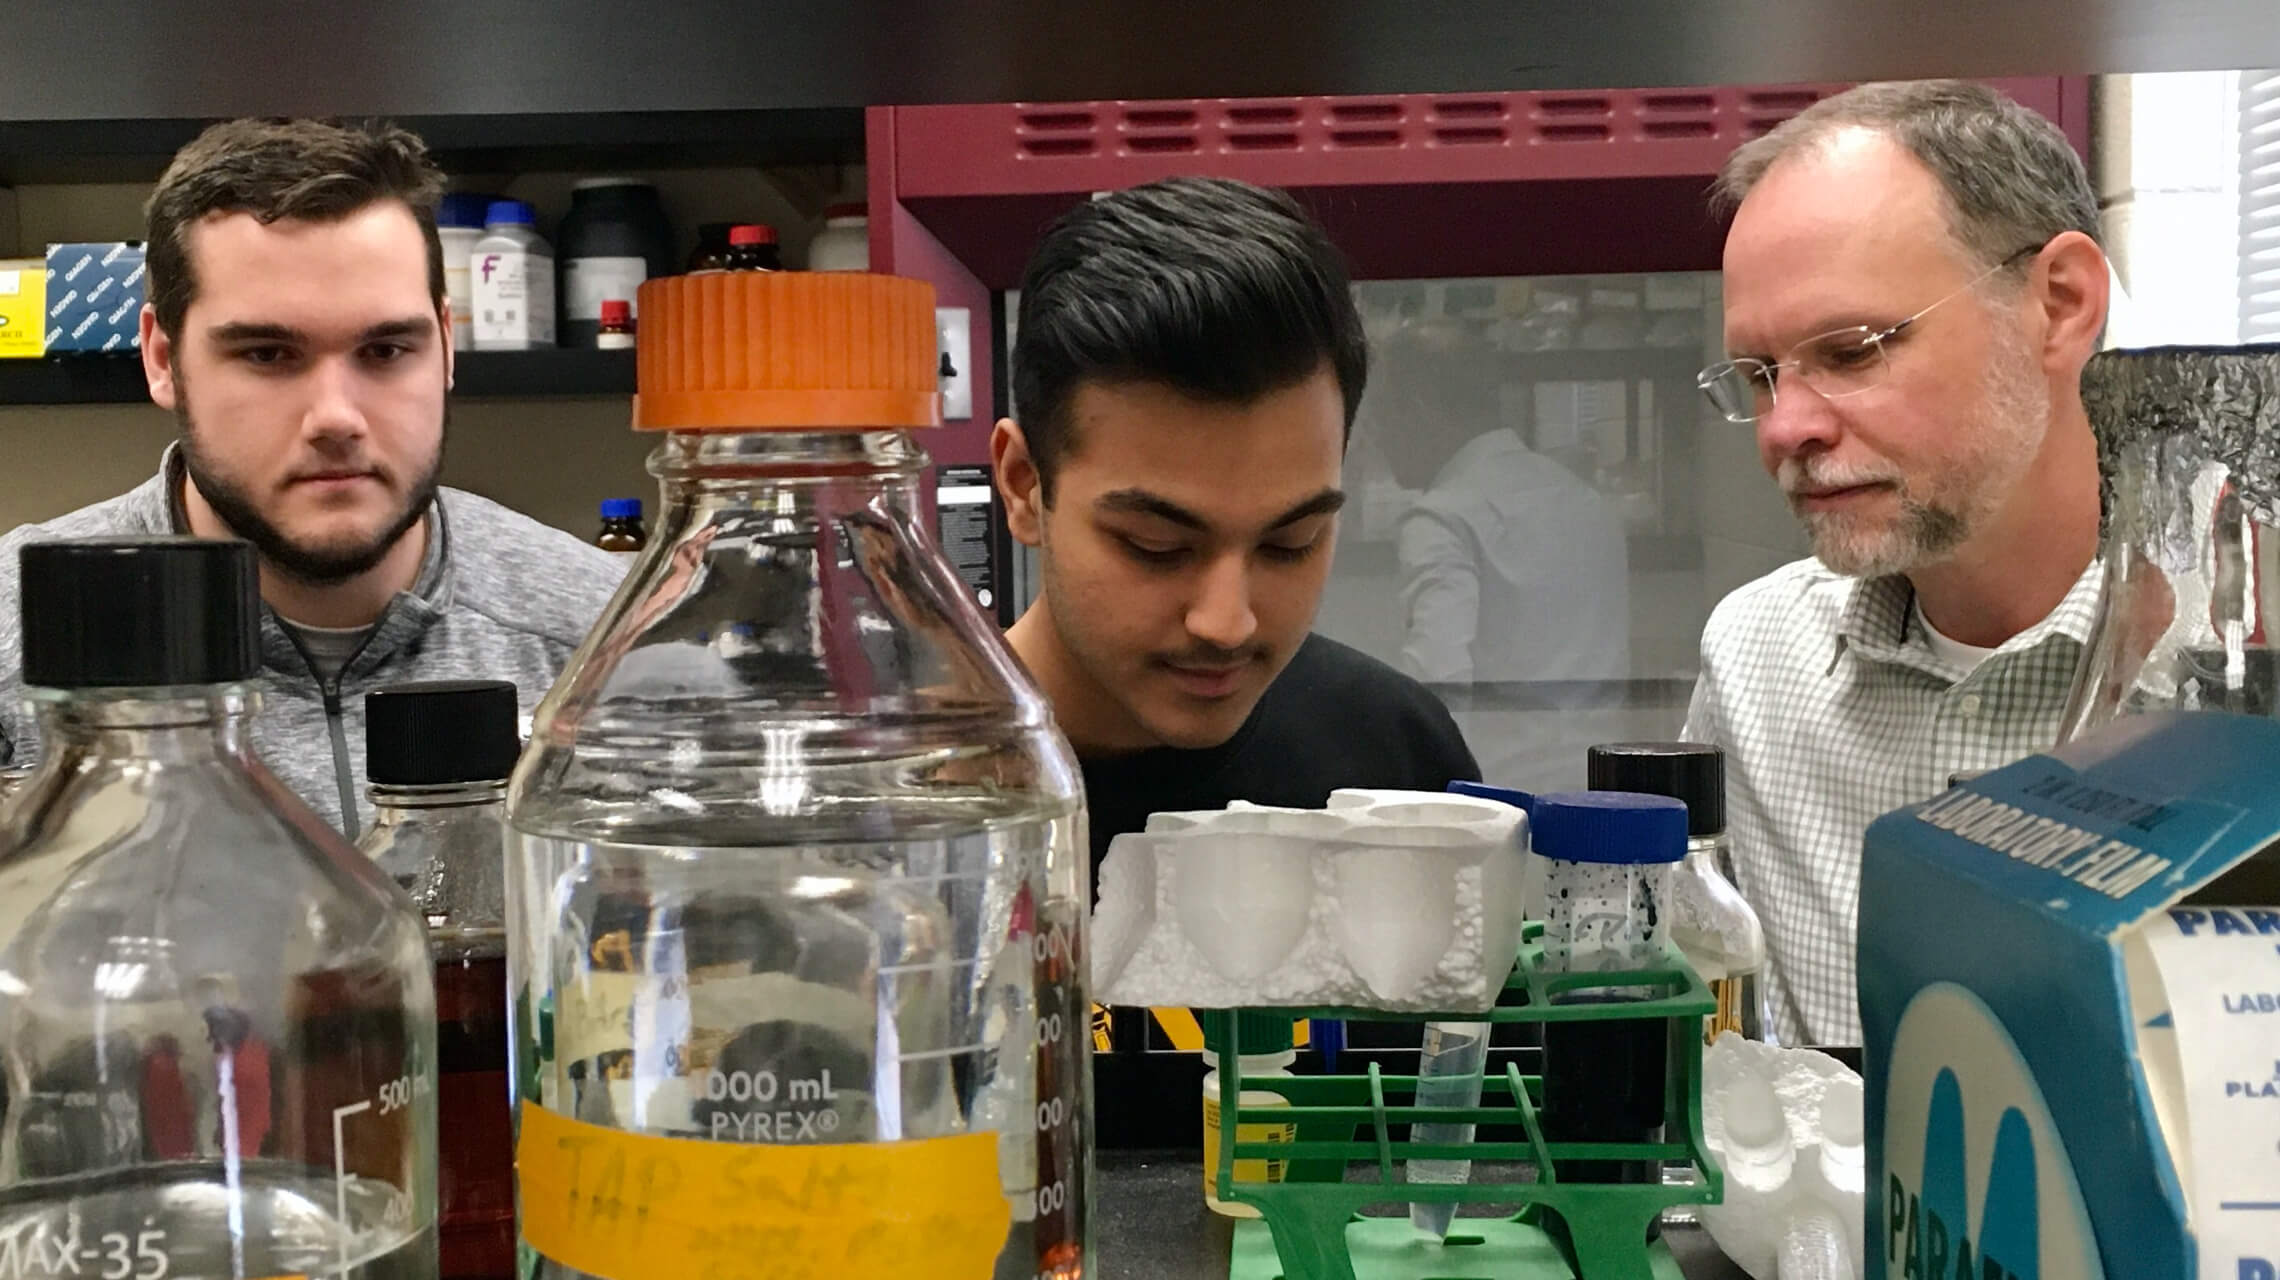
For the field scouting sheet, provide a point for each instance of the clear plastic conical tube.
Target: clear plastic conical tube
(1449, 1065)
(797, 859)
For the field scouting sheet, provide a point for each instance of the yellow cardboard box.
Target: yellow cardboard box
(23, 307)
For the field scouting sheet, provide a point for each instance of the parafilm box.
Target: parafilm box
(23, 291)
(2070, 1008)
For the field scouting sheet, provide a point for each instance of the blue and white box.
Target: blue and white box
(2070, 1073)
(94, 296)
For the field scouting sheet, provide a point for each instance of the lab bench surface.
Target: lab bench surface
(1150, 1224)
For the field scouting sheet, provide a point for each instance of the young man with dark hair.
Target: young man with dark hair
(298, 329)
(1186, 371)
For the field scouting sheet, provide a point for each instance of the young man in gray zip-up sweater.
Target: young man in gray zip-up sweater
(298, 328)
(499, 597)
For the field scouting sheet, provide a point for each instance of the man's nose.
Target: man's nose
(1220, 614)
(335, 408)
(1799, 420)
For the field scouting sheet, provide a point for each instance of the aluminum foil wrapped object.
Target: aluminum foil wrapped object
(2189, 470)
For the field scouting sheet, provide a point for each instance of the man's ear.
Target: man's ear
(1019, 484)
(2073, 299)
(450, 352)
(158, 361)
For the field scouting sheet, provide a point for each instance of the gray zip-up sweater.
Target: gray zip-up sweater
(499, 597)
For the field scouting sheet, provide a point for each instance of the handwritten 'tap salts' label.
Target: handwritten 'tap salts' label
(633, 1206)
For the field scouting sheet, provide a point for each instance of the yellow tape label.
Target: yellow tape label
(631, 1206)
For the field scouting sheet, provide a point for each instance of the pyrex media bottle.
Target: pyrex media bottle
(797, 869)
(438, 754)
(220, 1029)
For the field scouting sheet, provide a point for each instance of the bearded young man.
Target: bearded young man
(1912, 286)
(298, 329)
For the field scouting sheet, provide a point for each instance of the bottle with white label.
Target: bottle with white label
(1263, 1049)
(513, 270)
(458, 225)
(614, 236)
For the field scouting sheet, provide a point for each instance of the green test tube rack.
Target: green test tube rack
(1312, 1227)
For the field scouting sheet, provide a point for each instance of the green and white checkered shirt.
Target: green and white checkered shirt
(1833, 710)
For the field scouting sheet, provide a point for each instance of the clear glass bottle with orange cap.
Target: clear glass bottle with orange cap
(797, 871)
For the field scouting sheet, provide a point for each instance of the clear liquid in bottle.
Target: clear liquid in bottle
(797, 871)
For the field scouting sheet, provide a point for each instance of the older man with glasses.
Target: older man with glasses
(1913, 284)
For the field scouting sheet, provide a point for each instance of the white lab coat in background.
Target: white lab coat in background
(1513, 569)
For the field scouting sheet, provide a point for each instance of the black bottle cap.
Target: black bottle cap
(1694, 772)
(440, 732)
(122, 613)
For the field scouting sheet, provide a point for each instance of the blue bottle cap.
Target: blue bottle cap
(621, 508)
(513, 213)
(1621, 827)
(463, 209)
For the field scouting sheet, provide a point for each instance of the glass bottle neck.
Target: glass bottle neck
(158, 722)
(724, 462)
(1711, 853)
(396, 806)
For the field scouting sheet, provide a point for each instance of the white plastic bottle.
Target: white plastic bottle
(844, 244)
(458, 225)
(513, 270)
(1271, 1035)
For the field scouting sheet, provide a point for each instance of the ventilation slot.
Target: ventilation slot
(1364, 112)
(1263, 113)
(1160, 118)
(1160, 143)
(1365, 137)
(1679, 128)
(1469, 136)
(1574, 132)
(1574, 106)
(1677, 102)
(1057, 146)
(1281, 140)
(1787, 102)
(1469, 109)
(1056, 121)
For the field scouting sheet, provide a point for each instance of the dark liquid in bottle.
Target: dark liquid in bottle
(474, 1126)
(1603, 1082)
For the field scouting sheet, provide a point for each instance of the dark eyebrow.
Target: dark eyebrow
(408, 327)
(1324, 503)
(1141, 502)
(241, 331)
